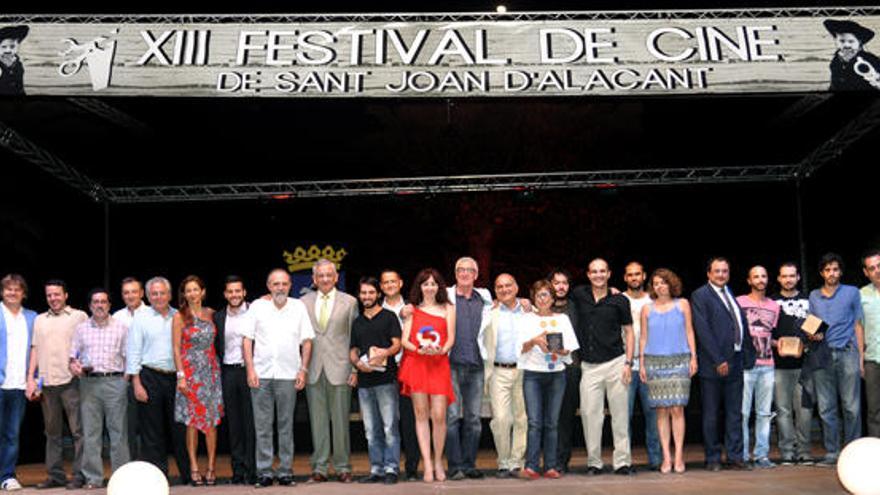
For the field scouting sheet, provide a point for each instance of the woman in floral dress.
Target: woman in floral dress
(199, 401)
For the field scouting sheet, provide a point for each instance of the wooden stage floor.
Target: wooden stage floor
(803, 480)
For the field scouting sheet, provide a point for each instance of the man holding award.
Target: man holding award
(375, 340)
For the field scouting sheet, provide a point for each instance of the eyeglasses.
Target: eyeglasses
(543, 295)
(465, 269)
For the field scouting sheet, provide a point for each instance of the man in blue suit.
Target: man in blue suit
(16, 330)
(724, 350)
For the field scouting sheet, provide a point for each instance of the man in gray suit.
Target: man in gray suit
(331, 375)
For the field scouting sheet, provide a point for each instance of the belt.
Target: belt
(504, 365)
(157, 370)
(101, 375)
(235, 365)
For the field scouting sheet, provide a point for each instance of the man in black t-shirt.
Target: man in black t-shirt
(606, 366)
(375, 340)
(792, 420)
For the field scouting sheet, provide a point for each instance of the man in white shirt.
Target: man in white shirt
(16, 330)
(279, 330)
(133, 297)
(634, 276)
(239, 423)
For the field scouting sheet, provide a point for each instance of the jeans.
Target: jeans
(543, 395)
(793, 422)
(652, 439)
(12, 404)
(380, 415)
(757, 385)
(840, 379)
(463, 418)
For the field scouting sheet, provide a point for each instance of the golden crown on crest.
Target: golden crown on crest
(303, 259)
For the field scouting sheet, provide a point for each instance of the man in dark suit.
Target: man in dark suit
(239, 421)
(724, 350)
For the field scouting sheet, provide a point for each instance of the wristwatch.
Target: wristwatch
(180, 375)
(628, 363)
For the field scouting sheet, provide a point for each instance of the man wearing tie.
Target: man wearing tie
(331, 375)
(723, 354)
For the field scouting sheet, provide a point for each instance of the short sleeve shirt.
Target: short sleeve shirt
(376, 332)
(598, 324)
(762, 317)
(53, 334)
(840, 312)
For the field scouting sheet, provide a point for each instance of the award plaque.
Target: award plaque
(813, 324)
(554, 342)
(790, 347)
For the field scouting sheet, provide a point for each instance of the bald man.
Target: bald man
(504, 382)
(606, 366)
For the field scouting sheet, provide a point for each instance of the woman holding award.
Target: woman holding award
(545, 340)
(428, 335)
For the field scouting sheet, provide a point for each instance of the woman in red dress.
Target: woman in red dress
(428, 335)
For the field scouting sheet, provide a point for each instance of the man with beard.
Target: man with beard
(852, 68)
(839, 379)
(11, 68)
(375, 340)
(560, 279)
(277, 348)
(762, 315)
(871, 322)
(231, 322)
(793, 422)
(634, 277)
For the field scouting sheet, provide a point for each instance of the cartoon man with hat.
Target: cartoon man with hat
(11, 68)
(853, 68)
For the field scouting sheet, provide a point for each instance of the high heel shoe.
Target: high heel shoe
(210, 478)
(196, 479)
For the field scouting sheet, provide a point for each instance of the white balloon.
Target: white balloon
(857, 465)
(138, 478)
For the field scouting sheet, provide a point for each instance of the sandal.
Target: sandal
(196, 478)
(211, 477)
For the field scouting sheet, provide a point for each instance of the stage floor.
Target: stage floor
(696, 481)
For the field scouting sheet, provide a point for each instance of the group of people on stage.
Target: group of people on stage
(422, 366)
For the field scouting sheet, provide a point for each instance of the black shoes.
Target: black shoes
(625, 471)
(286, 480)
(390, 479)
(593, 471)
(372, 478)
(457, 476)
(50, 483)
(474, 474)
(264, 481)
(713, 466)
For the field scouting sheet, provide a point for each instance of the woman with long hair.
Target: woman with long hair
(669, 360)
(199, 400)
(425, 377)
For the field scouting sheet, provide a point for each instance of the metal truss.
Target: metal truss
(50, 163)
(611, 15)
(110, 113)
(832, 149)
(450, 184)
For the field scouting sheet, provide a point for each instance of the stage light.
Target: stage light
(857, 464)
(501, 9)
(138, 477)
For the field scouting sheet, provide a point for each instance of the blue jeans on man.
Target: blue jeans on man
(793, 422)
(12, 406)
(841, 379)
(652, 438)
(463, 419)
(380, 414)
(757, 388)
(543, 396)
